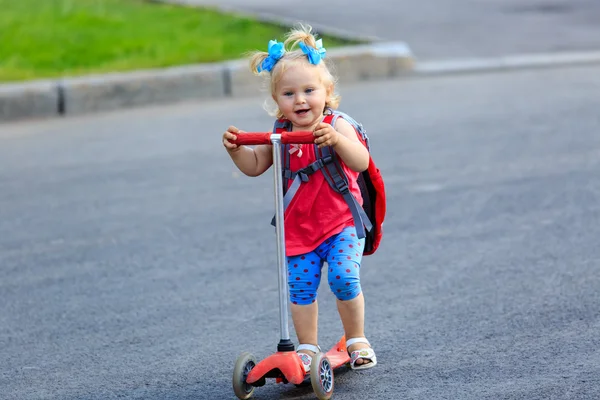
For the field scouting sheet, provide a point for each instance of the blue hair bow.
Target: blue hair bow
(315, 55)
(276, 51)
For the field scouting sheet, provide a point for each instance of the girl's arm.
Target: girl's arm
(251, 161)
(345, 142)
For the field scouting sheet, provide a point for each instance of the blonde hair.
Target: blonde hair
(293, 54)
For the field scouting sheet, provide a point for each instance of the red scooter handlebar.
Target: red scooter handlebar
(300, 137)
(254, 138)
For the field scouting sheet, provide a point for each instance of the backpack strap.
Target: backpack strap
(338, 180)
(302, 176)
(339, 183)
(358, 126)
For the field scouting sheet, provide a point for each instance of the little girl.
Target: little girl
(319, 226)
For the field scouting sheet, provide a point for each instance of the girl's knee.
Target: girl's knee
(304, 275)
(302, 292)
(345, 289)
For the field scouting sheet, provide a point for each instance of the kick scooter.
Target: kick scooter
(285, 365)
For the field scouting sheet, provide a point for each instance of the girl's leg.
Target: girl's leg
(352, 314)
(304, 276)
(305, 319)
(343, 259)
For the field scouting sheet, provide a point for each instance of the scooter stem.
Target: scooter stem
(285, 344)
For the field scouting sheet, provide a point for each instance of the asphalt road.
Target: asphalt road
(437, 29)
(137, 264)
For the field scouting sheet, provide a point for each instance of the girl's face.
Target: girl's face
(301, 96)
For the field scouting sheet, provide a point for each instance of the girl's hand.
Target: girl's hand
(326, 135)
(229, 137)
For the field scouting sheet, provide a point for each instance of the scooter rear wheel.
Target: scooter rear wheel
(243, 366)
(321, 376)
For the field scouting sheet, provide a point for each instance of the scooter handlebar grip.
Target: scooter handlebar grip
(299, 137)
(253, 138)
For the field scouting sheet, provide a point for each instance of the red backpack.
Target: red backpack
(368, 219)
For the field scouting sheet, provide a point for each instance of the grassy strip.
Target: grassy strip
(51, 38)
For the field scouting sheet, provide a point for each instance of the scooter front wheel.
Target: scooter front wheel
(321, 376)
(243, 366)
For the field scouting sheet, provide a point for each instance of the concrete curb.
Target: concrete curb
(506, 63)
(82, 95)
(28, 100)
(117, 91)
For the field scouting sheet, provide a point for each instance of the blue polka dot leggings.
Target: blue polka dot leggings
(343, 253)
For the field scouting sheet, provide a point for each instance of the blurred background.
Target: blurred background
(137, 263)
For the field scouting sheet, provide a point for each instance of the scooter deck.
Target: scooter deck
(286, 366)
(338, 355)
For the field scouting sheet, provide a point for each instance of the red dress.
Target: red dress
(316, 211)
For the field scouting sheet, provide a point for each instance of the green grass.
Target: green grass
(52, 38)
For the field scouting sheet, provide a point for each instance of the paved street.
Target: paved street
(136, 263)
(448, 29)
